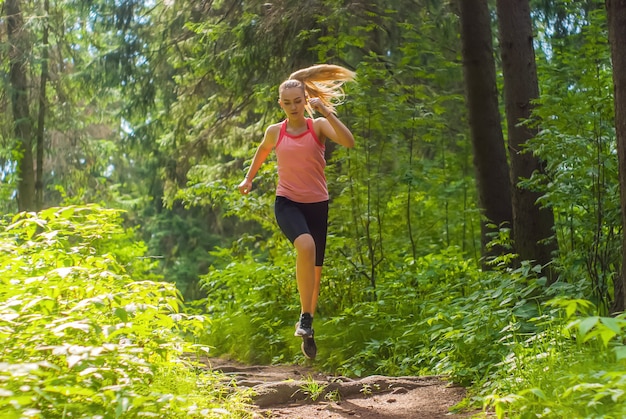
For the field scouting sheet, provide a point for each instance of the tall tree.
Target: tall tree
(490, 160)
(616, 11)
(19, 45)
(41, 112)
(532, 224)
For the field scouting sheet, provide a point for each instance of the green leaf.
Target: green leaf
(607, 335)
(70, 390)
(614, 324)
(122, 314)
(620, 352)
(586, 325)
(539, 393)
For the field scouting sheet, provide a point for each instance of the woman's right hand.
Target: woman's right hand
(245, 186)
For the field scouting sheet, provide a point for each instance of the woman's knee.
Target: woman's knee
(304, 243)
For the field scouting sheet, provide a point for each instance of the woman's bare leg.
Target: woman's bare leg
(316, 289)
(308, 279)
(306, 272)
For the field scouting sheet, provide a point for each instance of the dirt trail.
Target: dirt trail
(286, 391)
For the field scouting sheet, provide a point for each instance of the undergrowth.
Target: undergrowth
(88, 332)
(522, 349)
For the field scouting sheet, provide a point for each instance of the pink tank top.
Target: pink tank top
(301, 163)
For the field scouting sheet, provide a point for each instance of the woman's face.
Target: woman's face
(292, 100)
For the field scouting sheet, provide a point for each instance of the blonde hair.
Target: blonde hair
(323, 81)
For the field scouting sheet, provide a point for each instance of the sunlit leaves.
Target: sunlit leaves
(81, 336)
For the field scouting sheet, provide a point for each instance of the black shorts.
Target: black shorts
(296, 218)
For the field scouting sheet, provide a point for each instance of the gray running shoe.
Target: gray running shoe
(309, 348)
(304, 328)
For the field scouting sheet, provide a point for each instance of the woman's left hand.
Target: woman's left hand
(316, 103)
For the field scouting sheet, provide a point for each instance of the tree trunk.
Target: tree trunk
(490, 161)
(41, 117)
(616, 11)
(18, 84)
(533, 227)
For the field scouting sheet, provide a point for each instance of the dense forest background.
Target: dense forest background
(475, 229)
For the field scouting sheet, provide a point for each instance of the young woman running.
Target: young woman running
(301, 205)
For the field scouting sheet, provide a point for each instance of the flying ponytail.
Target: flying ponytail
(323, 81)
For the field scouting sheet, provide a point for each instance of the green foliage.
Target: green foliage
(87, 331)
(180, 241)
(313, 389)
(257, 306)
(522, 350)
(574, 366)
(447, 321)
(158, 108)
(496, 332)
(253, 306)
(80, 124)
(578, 146)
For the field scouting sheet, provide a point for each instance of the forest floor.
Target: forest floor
(300, 392)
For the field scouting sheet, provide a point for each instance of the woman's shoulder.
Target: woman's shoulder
(275, 127)
(319, 124)
(320, 121)
(272, 133)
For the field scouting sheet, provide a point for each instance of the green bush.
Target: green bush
(574, 367)
(252, 305)
(87, 332)
(521, 348)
